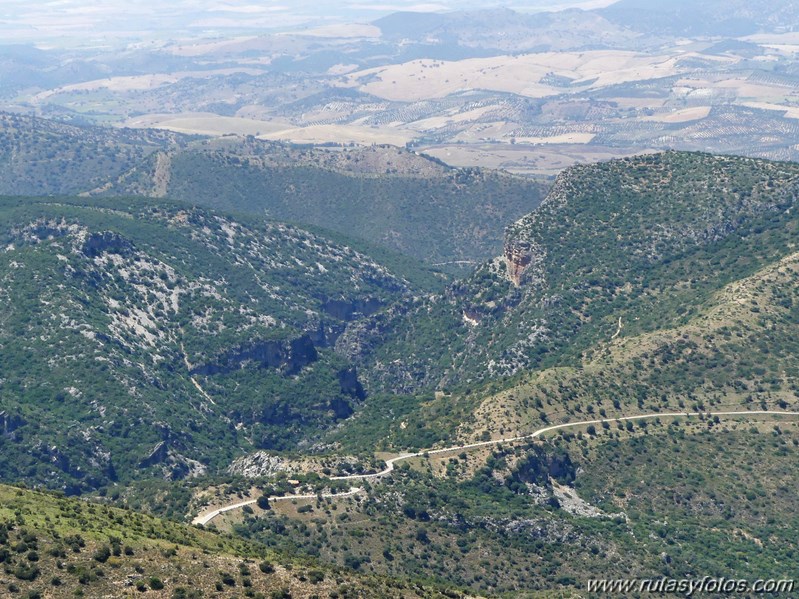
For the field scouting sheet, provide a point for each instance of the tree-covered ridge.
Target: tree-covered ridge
(58, 547)
(149, 338)
(647, 240)
(44, 157)
(385, 195)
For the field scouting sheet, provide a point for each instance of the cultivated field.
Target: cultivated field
(522, 75)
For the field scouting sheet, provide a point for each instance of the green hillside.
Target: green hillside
(149, 338)
(653, 285)
(44, 157)
(388, 196)
(56, 547)
(177, 359)
(681, 498)
(647, 240)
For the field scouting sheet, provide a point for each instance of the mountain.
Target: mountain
(46, 157)
(146, 338)
(57, 547)
(659, 285)
(734, 18)
(24, 67)
(504, 30)
(646, 240)
(174, 358)
(388, 196)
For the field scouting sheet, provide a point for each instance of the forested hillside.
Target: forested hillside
(387, 196)
(44, 157)
(149, 339)
(646, 240)
(51, 546)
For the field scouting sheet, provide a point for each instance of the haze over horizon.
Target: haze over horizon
(81, 23)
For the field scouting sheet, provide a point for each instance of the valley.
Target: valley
(206, 518)
(365, 302)
(279, 384)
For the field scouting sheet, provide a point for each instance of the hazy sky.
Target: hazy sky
(90, 21)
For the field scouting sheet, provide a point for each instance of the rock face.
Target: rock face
(348, 379)
(518, 256)
(347, 311)
(260, 463)
(105, 242)
(524, 256)
(158, 455)
(288, 356)
(9, 423)
(543, 463)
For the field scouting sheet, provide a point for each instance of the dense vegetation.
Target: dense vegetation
(649, 240)
(146, 342)
(43, 157)
(678, 498)
(145, 338)
(387, 196)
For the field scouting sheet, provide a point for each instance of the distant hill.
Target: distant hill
(47, 157)
(385, 195)
(729, 18)
(391, 197)
(505, 30)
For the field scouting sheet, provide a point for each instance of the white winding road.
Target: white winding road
(207, 517)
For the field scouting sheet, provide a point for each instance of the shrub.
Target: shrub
(102, 554)
(316, 576)
(26, 572)
(266, 567)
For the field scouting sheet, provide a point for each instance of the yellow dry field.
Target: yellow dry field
(454, 118)
(276, 130)
(202, 123)
(791, 38)
(482, 132)
(189, 49)
(784, 48)
(142, 82)
(566, 138)
(747, 89)
(424, 79)
(681, 116)
(342, 134)
(740, 86)
(789, 112)
(542, 160)
(342, 69)
(343, 31)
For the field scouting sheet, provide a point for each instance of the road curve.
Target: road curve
(206, 518)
